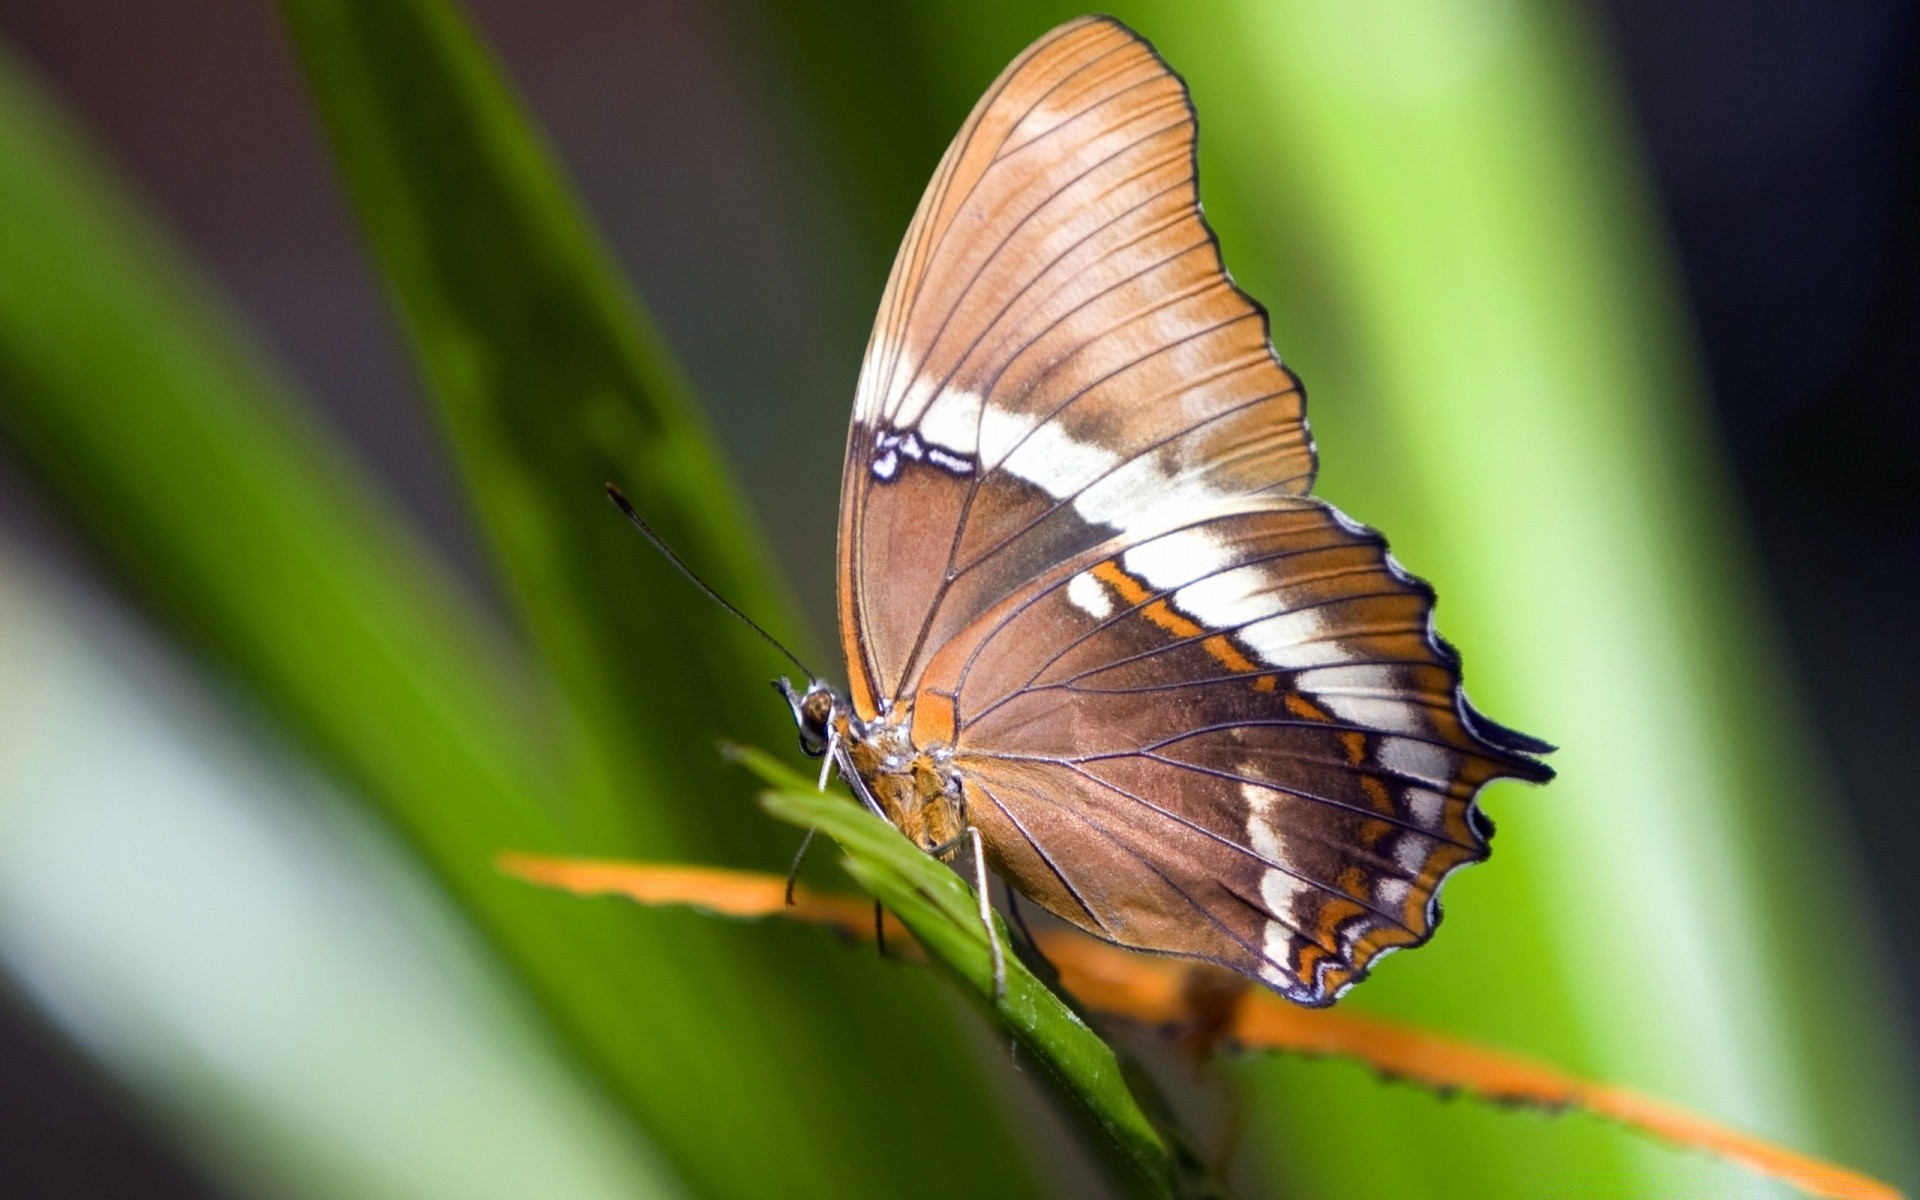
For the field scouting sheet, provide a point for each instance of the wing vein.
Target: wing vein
(1045, 857)
(1226, 776)
(888, 404)
(1178, 643)
(950, 164)
(1062, 501)
(1222, 839)
(1067, 577)
(1234, 935)
(983, 473)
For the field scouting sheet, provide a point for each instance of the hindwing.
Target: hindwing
(1238, 740)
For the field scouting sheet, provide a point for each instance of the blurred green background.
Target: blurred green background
(309, 373)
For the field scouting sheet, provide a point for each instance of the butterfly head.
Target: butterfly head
(813, 712)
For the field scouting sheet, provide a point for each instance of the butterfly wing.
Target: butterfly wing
(1059, 353)
(1194, 710)
(1238, 740)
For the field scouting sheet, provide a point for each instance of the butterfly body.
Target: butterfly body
(1093, 618)
(917, 789)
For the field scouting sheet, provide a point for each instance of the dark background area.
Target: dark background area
(1784, 139)
(1784, 142)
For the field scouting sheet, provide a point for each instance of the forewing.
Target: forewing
(1239, 740)
(1060, 358)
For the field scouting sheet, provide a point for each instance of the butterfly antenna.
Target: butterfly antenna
(620, 501)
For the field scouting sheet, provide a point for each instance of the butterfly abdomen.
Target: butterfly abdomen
(916, 789)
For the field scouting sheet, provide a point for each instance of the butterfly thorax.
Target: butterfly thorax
(915, 788)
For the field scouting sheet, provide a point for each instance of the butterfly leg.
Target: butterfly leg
(986, 915)
(1035, 957)
(861, 789)
(830, 758)
(799, 856)
(972, 838)
(793, 872)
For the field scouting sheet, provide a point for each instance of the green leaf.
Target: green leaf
(757, 1075)
(136, 398)
(212, 931)
(551, 381)
(132, 393)
(943, 914)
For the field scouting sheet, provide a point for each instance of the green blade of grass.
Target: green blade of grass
(126, 387)
(551, 381)
(177, 898)
(133, 395)
(941, 911)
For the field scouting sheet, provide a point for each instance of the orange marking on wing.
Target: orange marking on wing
(1300, 706)
(1335, 910)
(1130, 589)
(1356, 744)
(1456, 818)
(1476, 771)
(1353, 881)
(859, 687)
(1368, 947)
(1413, 910)
(1310, 956)
(1229, 654)
(1335, 979)
(1266, 683)
(1161, 613)
(1371, 832)
(1444, 859)
(1377, 793)
(934, 719)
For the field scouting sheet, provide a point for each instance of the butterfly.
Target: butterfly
(1095, 625)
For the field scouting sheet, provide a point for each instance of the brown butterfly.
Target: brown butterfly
(1094, 624)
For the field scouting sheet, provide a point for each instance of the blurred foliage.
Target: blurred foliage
(1440, 205)
(127, 387)
(250, 958)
